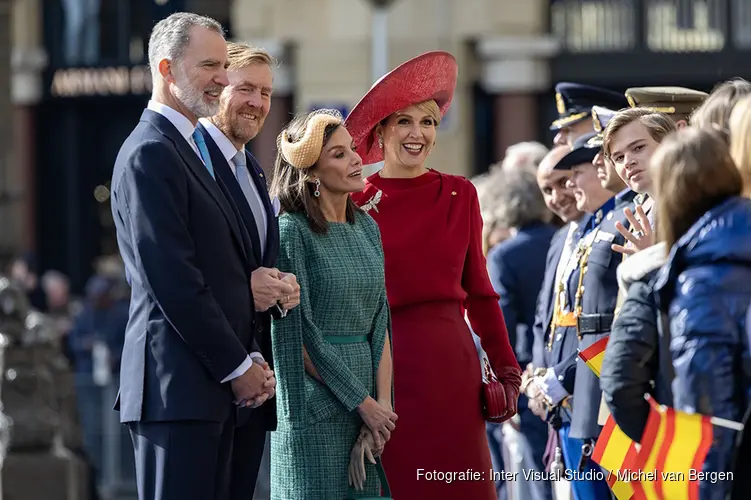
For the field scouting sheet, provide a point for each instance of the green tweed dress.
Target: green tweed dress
(342, 320)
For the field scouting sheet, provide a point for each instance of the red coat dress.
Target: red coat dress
(435, 270)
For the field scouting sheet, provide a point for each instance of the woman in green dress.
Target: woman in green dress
(332, 354)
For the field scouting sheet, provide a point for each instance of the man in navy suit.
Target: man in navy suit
(243, 107)
(191, 356)
(516, 267)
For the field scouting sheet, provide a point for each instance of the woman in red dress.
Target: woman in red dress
(431, 230)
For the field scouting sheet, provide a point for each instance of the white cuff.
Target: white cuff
(552, 388)
(244, 367)
(257, 356)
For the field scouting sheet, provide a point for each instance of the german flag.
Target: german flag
(674, 443)
(594, 355)
(612, 452)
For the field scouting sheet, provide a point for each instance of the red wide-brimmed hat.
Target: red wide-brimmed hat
(431, 75)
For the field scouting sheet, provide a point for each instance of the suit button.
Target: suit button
(558, 337)
(259, 329)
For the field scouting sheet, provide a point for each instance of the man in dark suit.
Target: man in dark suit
(516, 267)
(584, 313)
(190, 351)
(243, 107)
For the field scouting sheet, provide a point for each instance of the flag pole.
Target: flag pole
(719, 422)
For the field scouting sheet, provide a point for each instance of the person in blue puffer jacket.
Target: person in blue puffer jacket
(705, 284)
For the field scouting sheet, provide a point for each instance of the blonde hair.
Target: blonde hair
(659, 125)
(241, 55)
(431, 109)
(693, 172)
(717, 107)
(740, 147)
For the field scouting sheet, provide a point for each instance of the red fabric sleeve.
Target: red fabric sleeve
(483, 310)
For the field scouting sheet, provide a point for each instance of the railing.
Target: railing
(659, 26)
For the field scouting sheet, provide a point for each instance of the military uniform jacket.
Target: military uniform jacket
(595, 283)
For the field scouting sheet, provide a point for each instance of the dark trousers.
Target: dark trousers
(247, 453)
(192, 460)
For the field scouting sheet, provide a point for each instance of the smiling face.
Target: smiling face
(559, 198)
(245, 102)
(408, 137)
(631, 149)
(339, 168)
(588, 192)
(199, 76)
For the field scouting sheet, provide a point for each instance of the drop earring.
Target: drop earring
(380, 142)
(317, 193)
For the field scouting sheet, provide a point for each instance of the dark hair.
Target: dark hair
(294, 187)
(693, 173)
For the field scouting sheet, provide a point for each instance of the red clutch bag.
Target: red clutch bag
(493, 395)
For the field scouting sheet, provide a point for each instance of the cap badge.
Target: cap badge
(631, 101)
(560, 104)
(596, 122)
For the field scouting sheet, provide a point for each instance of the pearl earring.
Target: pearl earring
(317, 193)
(380, 142)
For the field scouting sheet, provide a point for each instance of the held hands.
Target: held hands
(379, 419)
(255, 386)
(269, 287)
(641, 235)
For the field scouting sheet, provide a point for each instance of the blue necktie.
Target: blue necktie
(204, 151)
(259, 213)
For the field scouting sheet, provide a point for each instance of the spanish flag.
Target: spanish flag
(613, 448)
(674, 444)
(612, 452)
(594, 355)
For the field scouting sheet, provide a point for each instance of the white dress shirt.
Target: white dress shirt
(186, 129)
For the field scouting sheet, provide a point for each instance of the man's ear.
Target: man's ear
(165, 69)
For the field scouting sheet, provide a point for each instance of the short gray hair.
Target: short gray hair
(527, 154)
(520, 200)
(171, 35)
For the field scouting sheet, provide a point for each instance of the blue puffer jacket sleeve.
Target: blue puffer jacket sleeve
(705, 344)
(706, 288)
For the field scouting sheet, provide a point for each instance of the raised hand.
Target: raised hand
(641, 235)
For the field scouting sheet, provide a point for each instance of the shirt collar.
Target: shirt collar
(179, 120)
(622, 193)
(228, 149)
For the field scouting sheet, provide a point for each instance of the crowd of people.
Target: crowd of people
(645, 243)
(337, 312)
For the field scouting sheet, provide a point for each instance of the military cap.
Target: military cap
(600, 118)
(581, 152)
(574, 102)
(670, 100)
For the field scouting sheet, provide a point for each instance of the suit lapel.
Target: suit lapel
(196, 166)
(223, 170)
(272, 232)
